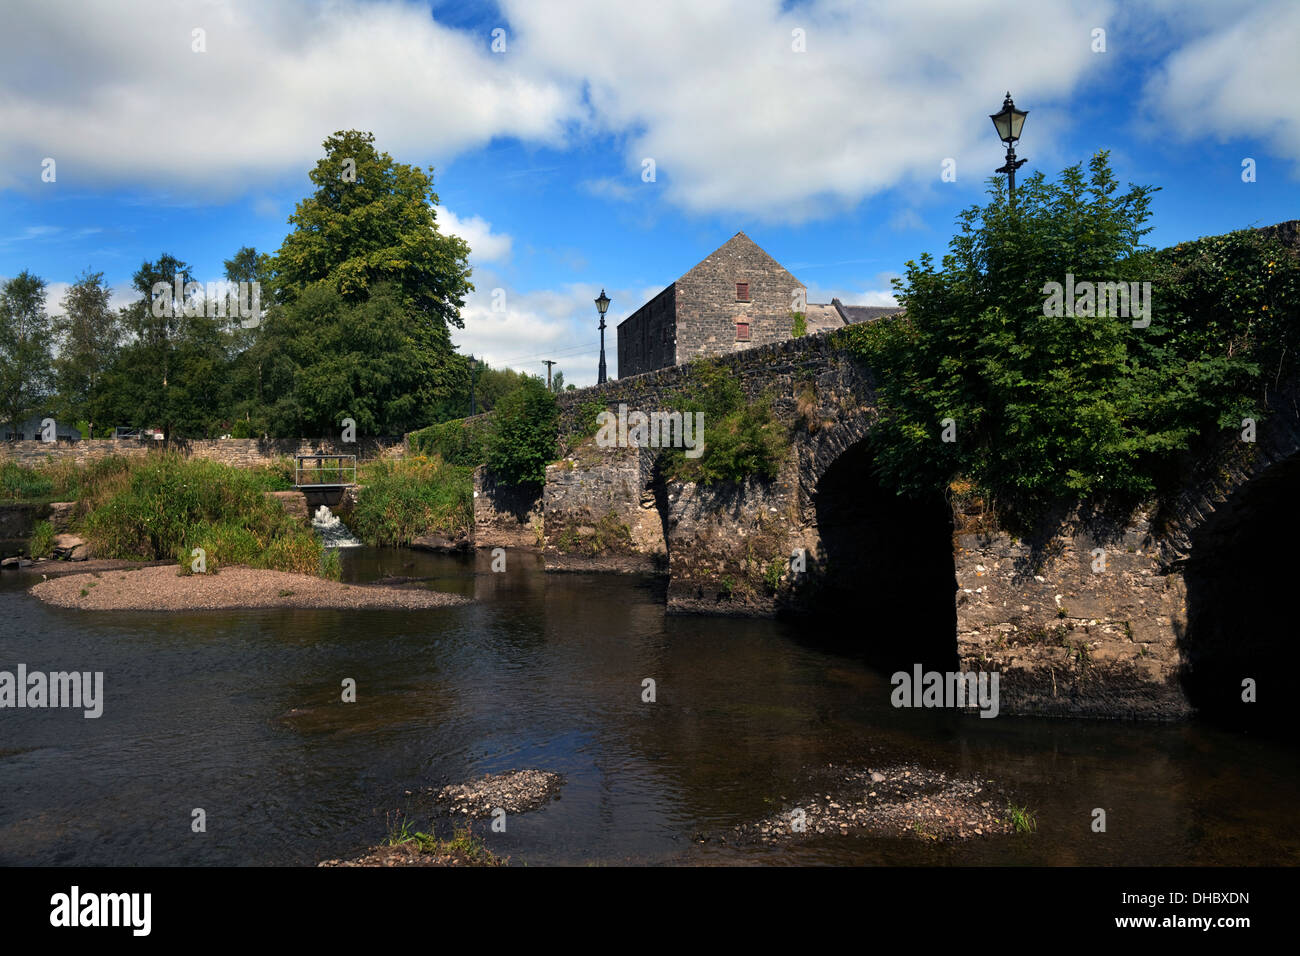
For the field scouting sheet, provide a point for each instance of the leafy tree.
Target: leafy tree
(89, 333)
(250, 347)
(26, 363)
(336, 359)
(557, 383)
(1055, 410)
(368, 232)
(522, 439)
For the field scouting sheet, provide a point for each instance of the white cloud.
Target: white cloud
(115, 91)
(738, 122)
(484, 244)
(558, 324)
(1238, 80)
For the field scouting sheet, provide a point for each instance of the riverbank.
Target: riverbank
(162, 588)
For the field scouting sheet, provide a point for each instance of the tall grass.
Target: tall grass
(61, 480)
(400, 500)
(164, 506)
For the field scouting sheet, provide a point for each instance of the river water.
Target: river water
(239, 713)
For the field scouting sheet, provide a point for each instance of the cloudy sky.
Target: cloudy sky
(819, 128)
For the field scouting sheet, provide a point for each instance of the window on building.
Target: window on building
(742, 331)
(742, 291)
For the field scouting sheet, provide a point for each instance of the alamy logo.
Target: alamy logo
(956, 689)
(74, 908)
(1121, 300)
(74, 689)
(192, 299)
(636, 429)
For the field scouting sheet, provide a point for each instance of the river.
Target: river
(239, 713)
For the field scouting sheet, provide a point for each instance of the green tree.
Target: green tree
(522, 439)
(1054, 409)
(367, 232)
(1041, 406)
(250, 346)
(89, 333)
(26, 362)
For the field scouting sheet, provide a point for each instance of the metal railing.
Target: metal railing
(333, 470)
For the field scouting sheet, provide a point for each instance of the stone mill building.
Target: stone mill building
(736, 298)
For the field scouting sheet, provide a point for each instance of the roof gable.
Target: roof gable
(738, 246)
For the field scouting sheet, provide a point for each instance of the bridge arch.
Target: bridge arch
(885, 559)
(1232, 534)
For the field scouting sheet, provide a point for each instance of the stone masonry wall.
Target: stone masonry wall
(505, 516)
(1089, 625)
(238, 452)
(600, 513)
(647, 338)
(707, 308)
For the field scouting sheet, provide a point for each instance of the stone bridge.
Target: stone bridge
(1167, 613)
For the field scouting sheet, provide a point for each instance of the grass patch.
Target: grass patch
(1021, 819)
(41, 544)
(401, 500)
(462, 845)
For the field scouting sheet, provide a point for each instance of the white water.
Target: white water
(334, 531)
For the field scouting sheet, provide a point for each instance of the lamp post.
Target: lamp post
(602, 306)
(1008, 121)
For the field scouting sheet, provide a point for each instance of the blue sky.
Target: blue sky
(829, 157)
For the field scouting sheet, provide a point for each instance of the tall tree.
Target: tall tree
(249, 346)
(369, 226)
(26, 363)
(88, 332)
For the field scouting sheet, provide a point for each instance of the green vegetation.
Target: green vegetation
(798, 324)
(61, 480)
(1051, 410)
(1021, 819)
(742, 438)
(42, 540)
(400, 500)
(523, 436)
(462, 441)
(164, 506)
(464, 847)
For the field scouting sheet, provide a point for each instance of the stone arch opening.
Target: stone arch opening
(1243, 603)
(886, 560)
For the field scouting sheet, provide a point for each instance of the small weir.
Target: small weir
(334, 532)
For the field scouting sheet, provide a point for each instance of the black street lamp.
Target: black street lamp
(602, 306)
(1008, 121)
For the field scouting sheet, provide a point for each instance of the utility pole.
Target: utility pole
(548, 363)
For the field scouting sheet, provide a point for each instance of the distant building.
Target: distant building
(736, 298)
(30, 430)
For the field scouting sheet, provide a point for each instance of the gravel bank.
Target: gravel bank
(515, 792)
(161, 588)
(894, 801)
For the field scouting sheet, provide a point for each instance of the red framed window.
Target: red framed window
(742, 331)
(742, 291)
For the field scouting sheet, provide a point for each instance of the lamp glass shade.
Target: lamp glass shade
(1008, 121)
(602, 304)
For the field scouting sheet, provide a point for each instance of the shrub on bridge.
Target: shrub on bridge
(742, 438)
(522, 439)
(459, 442)
(1072, 409)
